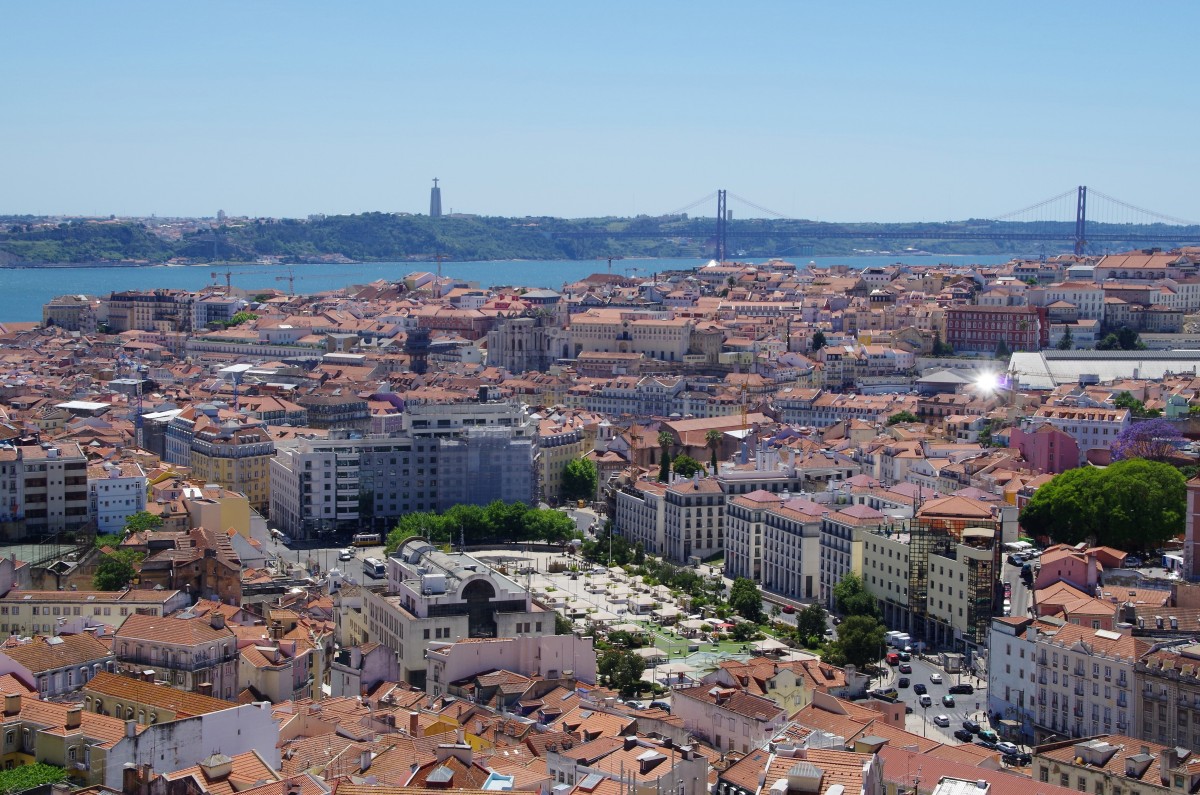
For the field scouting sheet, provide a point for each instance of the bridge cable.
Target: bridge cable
(1142, 210)
(1037, 206)
(759, 207)
(696, 203)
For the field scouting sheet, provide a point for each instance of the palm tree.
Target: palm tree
(665, 440)
(712, 439)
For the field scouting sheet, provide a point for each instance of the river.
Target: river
(23, 291)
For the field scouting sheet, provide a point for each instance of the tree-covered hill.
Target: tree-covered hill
(391, 237)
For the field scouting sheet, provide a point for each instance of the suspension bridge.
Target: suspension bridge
(1086, 221)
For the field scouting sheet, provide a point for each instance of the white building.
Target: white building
(116, 491)
(440, 596)
(1091, 428)
(729, 719)
(546, 656)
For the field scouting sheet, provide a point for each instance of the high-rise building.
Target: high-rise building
(435, 200)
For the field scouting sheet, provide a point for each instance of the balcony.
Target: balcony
(177, 664)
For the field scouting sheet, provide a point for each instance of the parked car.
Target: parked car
(942, 720)
(961, 689)
(989, 735)
(886, 695)
(1007, 748)
(905, 668)
(1018, 760)
(920, 689)
(971, 726)
(947, 701)
(902, 682)
(964, 735)
(925, 700)
(1132, 562)
(664, 706)
(788, 609)
(988, 744)
(936, 678)
(1016, 560)
(1008, 590)
(635, 704)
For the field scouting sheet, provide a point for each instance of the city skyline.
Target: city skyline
(872, 113)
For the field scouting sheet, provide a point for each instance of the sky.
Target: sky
(833, 111)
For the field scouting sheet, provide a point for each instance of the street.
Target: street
(921, 720)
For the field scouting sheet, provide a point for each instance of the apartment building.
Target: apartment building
(1085, 680)
(1091, 428)
(46, 612)
(197, 654)
(840, 545)
(116, 491)
(236, 456)
(447, 454)
(775, 540)
(1012, 674)
(72, 313)
(1167, 680)
(154, 310)
(981, 328)
(53, 488)
(1114, 764)
(728, 718)
(562, 438)
(693, 519)
(640, 515)
(434, 595)
(56, 665)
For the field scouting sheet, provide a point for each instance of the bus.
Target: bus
(373, 567)
(367, 539)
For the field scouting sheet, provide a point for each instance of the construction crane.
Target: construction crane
(228, 279)
(290, 279)
(610, 260)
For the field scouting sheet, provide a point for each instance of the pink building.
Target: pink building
(1078, 568)
(1046, 448)
(1191, 537)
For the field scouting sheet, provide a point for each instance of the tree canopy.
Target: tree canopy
(818, 340)
(1131, 505)
(859, 642)
(685, 466)
(746, 599)
(116, 570)
(579, 479)
(1123, 339)
(142, 521)
(484, 524)
(902, 416)
(621, 670)
(712, 438)
(852, 598)
(665, 441)
(810, 622)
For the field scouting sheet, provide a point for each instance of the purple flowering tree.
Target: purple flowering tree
(1153, 440)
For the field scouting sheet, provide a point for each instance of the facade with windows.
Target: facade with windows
(116, 491)
(49, 612)
(447, 454)
(197, 654)
(434, 595)
(1168, 687)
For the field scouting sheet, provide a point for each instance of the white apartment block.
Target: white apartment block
(776, 541)
(694, 519)
(1012, 673)
(116, 491)
(640, 515)
(43, 612)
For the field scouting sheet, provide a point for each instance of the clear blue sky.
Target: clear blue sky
(831, 110)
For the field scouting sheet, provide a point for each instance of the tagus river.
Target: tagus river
(24, 290)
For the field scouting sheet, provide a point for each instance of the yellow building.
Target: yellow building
(217, 508)
(237, 457)
(562, 438)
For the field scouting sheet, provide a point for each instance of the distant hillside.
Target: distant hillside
(388, 237)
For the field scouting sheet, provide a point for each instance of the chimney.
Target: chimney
(414, 723)
(217, 619)
(130, 780)
(630, 742)
(12, 704)
(1168, 760)
(74, 718)
(205, 688)
(276, 630)
(131, 728)
(364, 760)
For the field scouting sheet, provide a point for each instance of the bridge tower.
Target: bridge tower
(722, 221)
(1081, 221)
